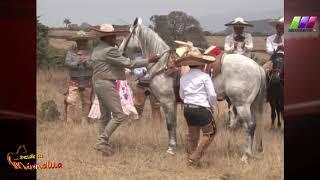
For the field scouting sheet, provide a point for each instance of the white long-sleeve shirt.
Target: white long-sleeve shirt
(229, 44)
(271, 45)
(196, 88)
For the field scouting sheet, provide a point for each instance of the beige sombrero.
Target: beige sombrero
(108, 30)
(275, 22)
(80, 35)
(183, 47)
(194, 58)
(239, 21)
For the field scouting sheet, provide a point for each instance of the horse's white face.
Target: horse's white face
(131, 41)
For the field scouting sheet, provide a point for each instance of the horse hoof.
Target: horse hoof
(244, 159)
(171, 151)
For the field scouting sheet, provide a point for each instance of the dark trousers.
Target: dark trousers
(197, 115)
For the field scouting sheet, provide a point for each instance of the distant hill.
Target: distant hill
(260, 27)
(214, 22)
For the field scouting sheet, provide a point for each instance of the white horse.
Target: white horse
(241, 79)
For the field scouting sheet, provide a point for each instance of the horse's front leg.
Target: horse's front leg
(170, 110)
(163, 90)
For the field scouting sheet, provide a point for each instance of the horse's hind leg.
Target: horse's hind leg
(244, 113)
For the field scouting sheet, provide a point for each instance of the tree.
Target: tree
(42, 43)
(67, 22)
(178, 25)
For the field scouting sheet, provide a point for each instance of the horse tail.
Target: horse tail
(259, 108)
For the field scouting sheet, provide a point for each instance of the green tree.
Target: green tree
(178, 25)
(67, 22)
(42, 43)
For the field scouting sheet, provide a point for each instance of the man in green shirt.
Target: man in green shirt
(108, 66)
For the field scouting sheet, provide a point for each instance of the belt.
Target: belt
(193, 106)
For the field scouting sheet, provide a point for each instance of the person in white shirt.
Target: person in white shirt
(198, 95)
(239, 42)
(275, 42)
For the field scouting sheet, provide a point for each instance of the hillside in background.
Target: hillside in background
(215, 22)
(260, 27)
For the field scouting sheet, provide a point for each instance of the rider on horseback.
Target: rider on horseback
(275, 42)
(238, 42)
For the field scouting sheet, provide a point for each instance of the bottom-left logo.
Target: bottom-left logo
(22, 159)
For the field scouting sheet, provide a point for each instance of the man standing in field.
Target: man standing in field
(239, 42)
(79, 63)
(108, 66)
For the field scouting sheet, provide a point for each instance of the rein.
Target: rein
(163, 68)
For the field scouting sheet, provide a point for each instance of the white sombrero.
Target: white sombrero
(239, 21)
(275, 22)
(108, 30)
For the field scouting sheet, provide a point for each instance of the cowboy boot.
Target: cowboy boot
(192, 139)
(104, 146)
(208, 132)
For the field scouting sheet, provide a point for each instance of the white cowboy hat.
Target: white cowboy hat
(108, 30)
(80, 35)
(239, 21)
(275, 22)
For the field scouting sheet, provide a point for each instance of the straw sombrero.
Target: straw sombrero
(239, 21)
(184, 44)
(194, 60)
(80, 35)
(108, 30)
(183, 47)
(275, 22)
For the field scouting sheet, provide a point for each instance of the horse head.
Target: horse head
(130, 44)
(276, 74)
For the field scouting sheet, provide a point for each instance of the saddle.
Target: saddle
(214, 68)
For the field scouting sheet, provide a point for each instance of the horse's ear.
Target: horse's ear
(139, 21)
(135, 22)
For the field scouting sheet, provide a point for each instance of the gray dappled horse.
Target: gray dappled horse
(275, 87)
(241, 79)
(161, 85)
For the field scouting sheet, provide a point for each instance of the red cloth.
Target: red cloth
(215, 51)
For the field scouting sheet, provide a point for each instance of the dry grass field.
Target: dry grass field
(140, 147)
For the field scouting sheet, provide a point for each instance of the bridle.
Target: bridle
(276, 68)
(132, 33)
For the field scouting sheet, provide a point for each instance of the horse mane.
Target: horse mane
(151, 43)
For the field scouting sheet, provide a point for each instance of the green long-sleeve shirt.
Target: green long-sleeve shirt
(109, 64)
